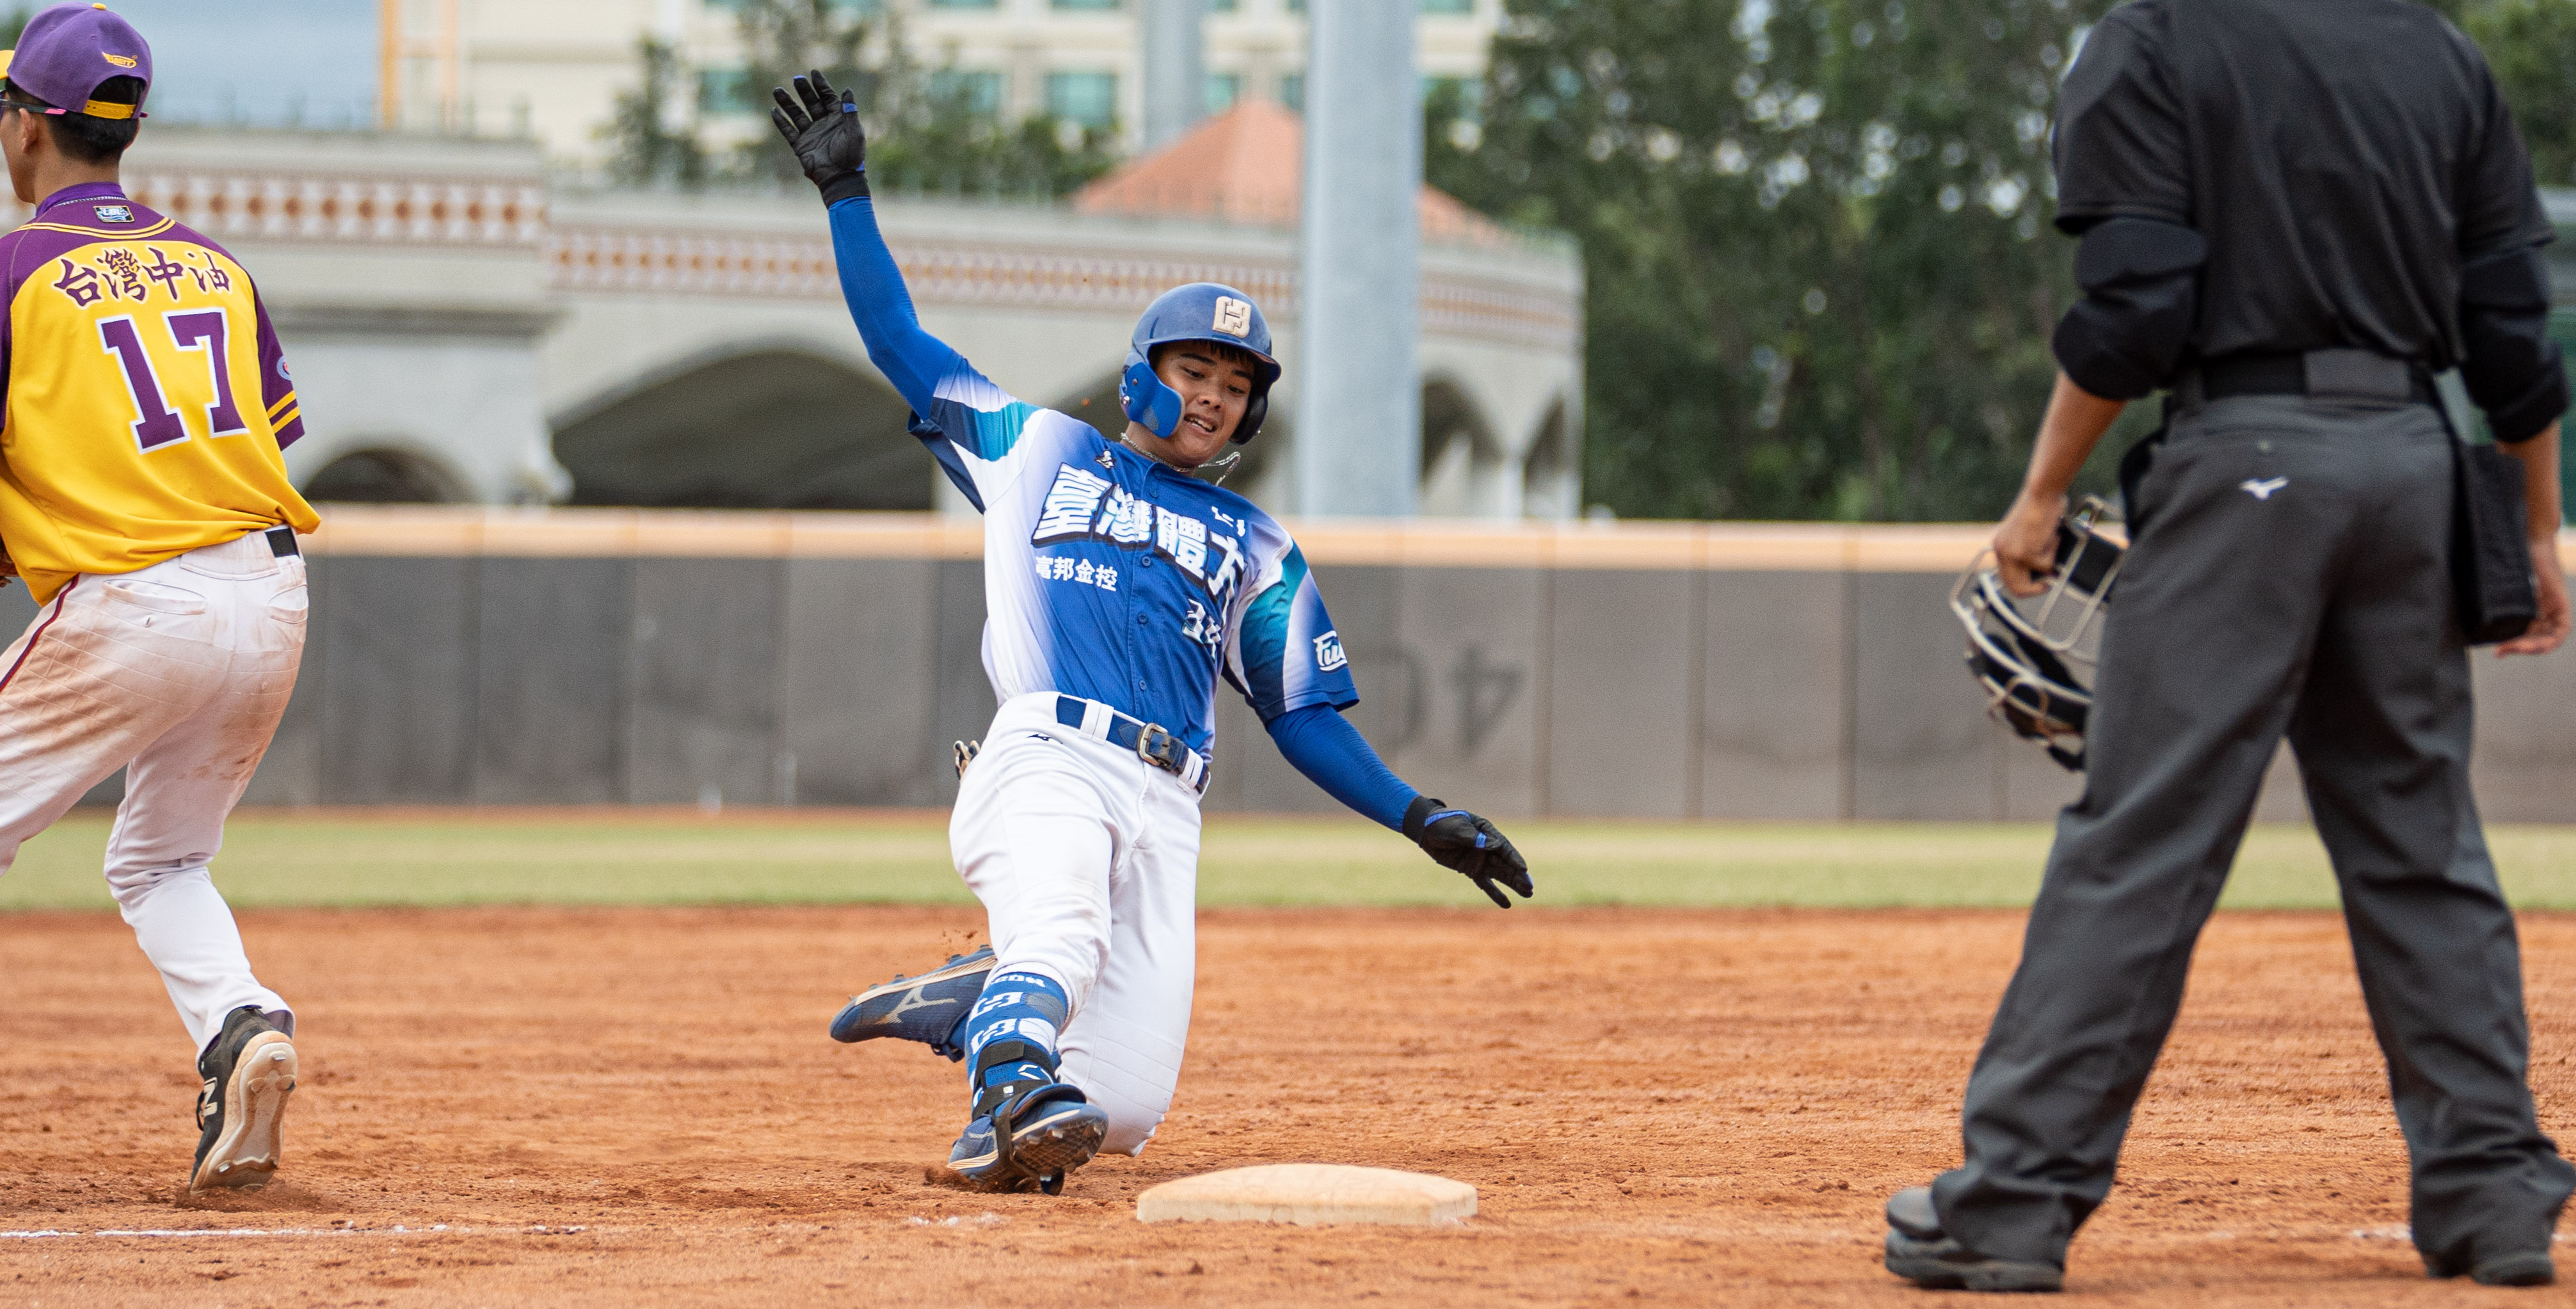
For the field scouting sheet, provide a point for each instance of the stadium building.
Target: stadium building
(553, 70)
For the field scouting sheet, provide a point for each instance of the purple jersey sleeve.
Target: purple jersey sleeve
(276, 385)
(14, 256)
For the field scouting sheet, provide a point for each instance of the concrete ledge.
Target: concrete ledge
(476, 530)
(451, 530)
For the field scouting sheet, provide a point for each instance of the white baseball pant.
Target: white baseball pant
(178, 673)
(1086, 858)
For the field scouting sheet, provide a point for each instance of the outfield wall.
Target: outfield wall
(494, 656)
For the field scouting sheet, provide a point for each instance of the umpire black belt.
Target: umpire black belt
(1150, 741)
(2321, 374)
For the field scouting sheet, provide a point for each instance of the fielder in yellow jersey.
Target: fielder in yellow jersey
(144, 499)
(147, 401)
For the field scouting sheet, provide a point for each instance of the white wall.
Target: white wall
(467, 403)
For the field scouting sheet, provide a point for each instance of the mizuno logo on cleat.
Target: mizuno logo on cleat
(912, 1000)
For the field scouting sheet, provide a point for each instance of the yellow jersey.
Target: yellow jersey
(147, 402)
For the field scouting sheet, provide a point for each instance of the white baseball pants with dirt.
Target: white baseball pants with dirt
(178, 673)
(1086, 858)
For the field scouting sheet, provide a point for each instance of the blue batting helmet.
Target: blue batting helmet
(1201, 311)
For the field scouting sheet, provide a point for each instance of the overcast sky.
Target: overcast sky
(260, 60)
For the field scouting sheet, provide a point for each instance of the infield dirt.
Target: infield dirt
(578, 1107)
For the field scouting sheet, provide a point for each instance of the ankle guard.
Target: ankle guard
(1022, 1066)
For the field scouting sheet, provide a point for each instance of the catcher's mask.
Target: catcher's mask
(2035, 656)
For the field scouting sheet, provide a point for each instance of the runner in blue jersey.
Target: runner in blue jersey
(1118, 587)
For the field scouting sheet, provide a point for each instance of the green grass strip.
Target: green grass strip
(649, 858)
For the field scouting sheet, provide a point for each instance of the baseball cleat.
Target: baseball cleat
(1048, 1132)
(978, 1160)
(1030, 1128)
(1919, 1251)
(929, 1008)
(249, 1071)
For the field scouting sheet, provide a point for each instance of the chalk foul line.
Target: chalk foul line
(398, 1229)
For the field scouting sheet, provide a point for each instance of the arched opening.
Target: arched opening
(770, 430)
(1462, 463)
(385, 475)
(1552, 475)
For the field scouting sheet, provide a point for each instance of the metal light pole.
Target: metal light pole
(1358, 434)
(1175, 57)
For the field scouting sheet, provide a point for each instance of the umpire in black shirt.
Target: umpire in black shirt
(2293, 213)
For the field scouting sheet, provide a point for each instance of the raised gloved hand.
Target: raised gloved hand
(1461, 841)
(822, 126)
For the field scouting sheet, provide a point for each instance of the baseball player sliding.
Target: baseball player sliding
(144, 500)
(1119, 587)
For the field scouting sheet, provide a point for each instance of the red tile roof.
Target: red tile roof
(1247, 165)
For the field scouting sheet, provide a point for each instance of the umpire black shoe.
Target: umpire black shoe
(1919, 1251)
(2521, 1268)
(249, 1071)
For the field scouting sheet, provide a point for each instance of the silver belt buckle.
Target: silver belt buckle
(1156, 746)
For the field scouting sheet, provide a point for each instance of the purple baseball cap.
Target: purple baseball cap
(68, 50)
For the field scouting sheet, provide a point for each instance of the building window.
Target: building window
(981, 92)
(1292, 91)
(1090, 99)
(1223, 89)
(1428, 6)
(724, 91)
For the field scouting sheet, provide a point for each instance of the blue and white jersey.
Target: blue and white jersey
(1111, 576)
(1107, 575)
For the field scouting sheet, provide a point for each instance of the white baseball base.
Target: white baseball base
(1307, 1194)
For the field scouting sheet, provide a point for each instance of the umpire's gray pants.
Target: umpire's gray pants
(2321, 608)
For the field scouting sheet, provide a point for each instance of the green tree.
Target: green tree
(1821, 276)
(944, 144)
(649, 146)
(919, 137)
(2531, 45)
(1813, 233)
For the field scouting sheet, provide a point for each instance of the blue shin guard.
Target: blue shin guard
(1025, 1126)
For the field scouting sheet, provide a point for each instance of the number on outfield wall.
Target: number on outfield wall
(208, 330)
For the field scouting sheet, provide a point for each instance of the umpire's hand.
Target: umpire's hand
(822, 126)
(2548, 630)
(1460, 840)
(2026, 543)
(2549, 626)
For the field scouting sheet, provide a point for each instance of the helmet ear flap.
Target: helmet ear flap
(1145, 398)
(1254, 410)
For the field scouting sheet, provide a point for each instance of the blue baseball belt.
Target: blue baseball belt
(1151, 742)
